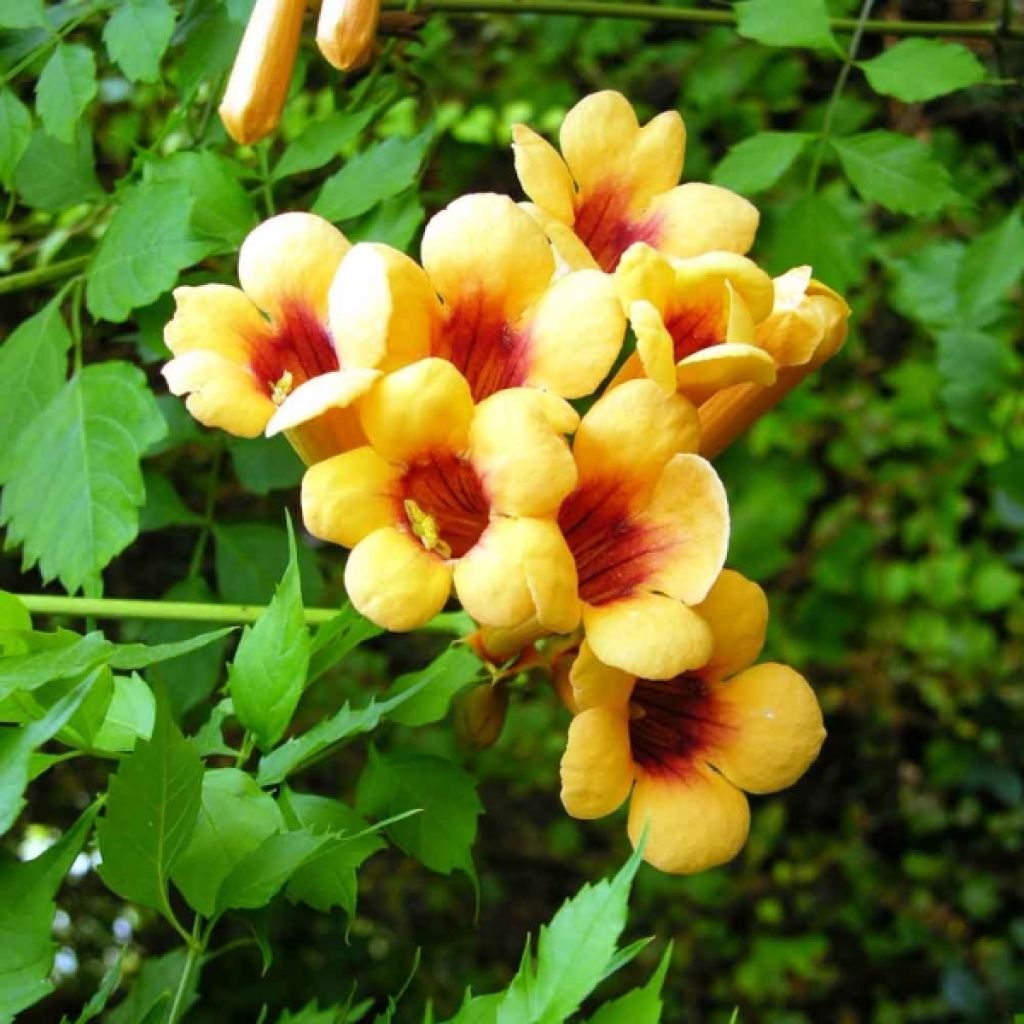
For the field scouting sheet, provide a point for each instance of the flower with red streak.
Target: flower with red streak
(262, 357)
(648, 528)
(449, 493)
(684, 749)
(616, 183)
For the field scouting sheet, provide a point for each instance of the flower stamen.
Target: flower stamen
(424, 526)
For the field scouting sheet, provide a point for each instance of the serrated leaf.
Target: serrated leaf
(642, 1005)
(137, 36)
(896, 171)
(74, 486)
(65, 88)
(437, 685)
(235, 817)
(378, 173)
(757, 163)
(915, 70)
(442, 836)
(148, 242)
(52, 175)
(152, 806)
(991, 267)
(15, 132)
(793, 23)
(268, 675)
(478, 1009)
(33, 365)
(322, 141)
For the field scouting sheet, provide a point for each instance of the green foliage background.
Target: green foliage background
(881, 506)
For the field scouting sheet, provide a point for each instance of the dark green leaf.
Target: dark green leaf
(915, 70)
(925, 287)
(15, 132)
(164, 506)
(336, 639)
(137, 36)
(66, 657)
(52, 176)
(265, 464)
(127, 656)
(65, 88)
(98, 1001)
(252, 557)
(973, 365)
(793, 23)
(394, 222)
(151, 996)
(436, 685)
(322, 141)
(757, 163)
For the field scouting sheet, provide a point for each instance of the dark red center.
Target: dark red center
(695, 329)
(604, 226)
(295, 343)
(447, 489)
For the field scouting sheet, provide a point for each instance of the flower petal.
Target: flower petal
(696, 218)
(648, 635)
(653, 346)
(517, 446)
(595, 684)
(597, 139)
(644, 274)
(722, 366)
(291, 260)
(701, 279)
(569, 250)
(597, 768)
(335, 390)
(215, 318)
(696, 820)
(543, 174)
(395, 582)
(778, 728)
(807, 317)
(737, 612)
(349, 496)
(220, 392)
(423, 406)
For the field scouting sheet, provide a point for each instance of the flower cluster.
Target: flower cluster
(433, 404)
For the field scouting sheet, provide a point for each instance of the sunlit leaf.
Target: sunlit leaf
(437, 684)
(322, 141)
(137, 35)
(757, 163)
(915, 70)
(793, 23)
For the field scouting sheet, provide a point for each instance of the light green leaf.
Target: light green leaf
(896, 171)
(268, 675)
(65, 88)
(437, 684)
(793, 23)
(22, 14)
(642, 1005)
(991, 267)
(13, 615)
(915, 70)
(757, 163)
(152, 806)
(442, 836)
(52, 176)
(15, 132)
(235, 817)
(130, 715)
(137, 36)
(252, 557)
(378, 173)
(127, 656)
(322, 141)
(74, 487)
(33, 366)
(478, 1009)
(148, 242)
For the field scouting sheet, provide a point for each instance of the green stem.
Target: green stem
(268, 192)
(837, 91)
(196, 948)
(686, 16)
(41, 275)
(248, 742)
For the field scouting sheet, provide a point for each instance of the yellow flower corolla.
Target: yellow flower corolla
(616, 183)
(346, 31)
(260, 76)
(486, 300)
(695, 320)
(684, 749)
(262, 357)
(451, 493)
(647, 526)
(807, 326)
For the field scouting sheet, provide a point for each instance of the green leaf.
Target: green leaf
(436, 686)
(925, 285)
(137, 36)
(268, 675)
(98, 1001)
(64, 656)
(915, 70)
(573, 952)
(33, 365)
(65, 88)
(991, 267)
(442, 836)
(265, 464)
(235, 817)
(378, 173)
(896, 171)
(151, 994)
(793, 23)
(74, 487)
(164, 507)
(974, 366)
(152, 806)
(337, 638)
(130, 716)
(85, 723)
(394, 222)
(252, 557)
(478, 1009)
(22, 14)
(52, 176)
(148, 242)
(642, 1005)
(27, 892)
(127, 656)
(15, 132)
(757, 163)
(322, 141)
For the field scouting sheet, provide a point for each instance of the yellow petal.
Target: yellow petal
(595, 684)
(384, 312)
(722, 366)
(644, 274)
(346, 32)
(322, 437)
(690, 512)
(696, 218)
(694, 821)
(597, 767)
(702, 279)
(424, 406)
(348, 497)
(737, 612)
(395, 582)
(648, 635)
(778, 728)
(220, 392)
(653, 346)
(807, 316)
(517, 446)
(597, 138)
(291, 260)
(657, 158)
(568, 248)
(214, 318)
(543, 174)
(484, 250)
(576, 331)
(336, 390)
(551, 577)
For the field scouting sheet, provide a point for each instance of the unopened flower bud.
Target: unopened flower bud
(346, 32)
(480, 715)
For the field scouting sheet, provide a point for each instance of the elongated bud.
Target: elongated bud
(346, 32)
(480, 715)
(807, 326)
(262, 71)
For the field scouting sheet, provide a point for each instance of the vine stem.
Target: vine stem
(41, 275)
(195, 949)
